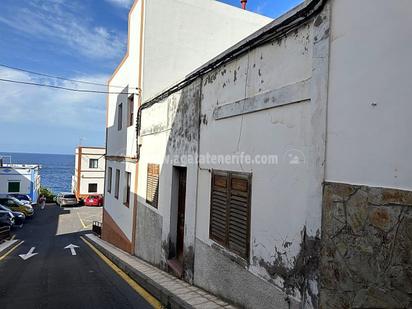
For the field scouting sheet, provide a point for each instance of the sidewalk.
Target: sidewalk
(170, 291)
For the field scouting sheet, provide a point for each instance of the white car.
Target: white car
(66, 199)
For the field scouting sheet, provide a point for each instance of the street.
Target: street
(43, 273)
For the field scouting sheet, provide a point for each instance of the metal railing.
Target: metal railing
(97, 228)
(4, 233)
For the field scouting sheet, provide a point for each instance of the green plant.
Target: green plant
(48, 194)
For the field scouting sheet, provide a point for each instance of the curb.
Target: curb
(167, 298)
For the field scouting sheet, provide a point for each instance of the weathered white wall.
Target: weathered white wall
(286, 198)
(169, 130)
(267, 132)
(22, 175)
(370, 92)
(178, 36)
(181, 35)
(92, 175)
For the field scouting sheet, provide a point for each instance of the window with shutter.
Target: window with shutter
(230, 211)
(152, 187)
(117, 184)
(109, 180)
(127, 189)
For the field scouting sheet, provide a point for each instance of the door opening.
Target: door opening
(177, 221)
(181, 214)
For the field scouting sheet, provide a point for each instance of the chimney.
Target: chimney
(243, 2)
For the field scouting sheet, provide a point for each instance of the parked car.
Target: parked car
(19, 217)
(6, 219)
(94, 200)
(15, 205)
(66, 199)
(24, 198)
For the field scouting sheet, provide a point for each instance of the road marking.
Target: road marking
(133, 284)
(11, 250)
(28, 254)
(81, 221)
(72, 248)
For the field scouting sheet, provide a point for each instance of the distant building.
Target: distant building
(89, 171)
(20, 178)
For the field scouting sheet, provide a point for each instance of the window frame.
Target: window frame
(128, 178)
(155, 200)
(229, 176)
(109, 179)
(130, 110)
(120, 117)
(117, 184)
(91, 165)
(18, 182)
(88, 187)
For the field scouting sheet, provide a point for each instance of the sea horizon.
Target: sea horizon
(56, 169)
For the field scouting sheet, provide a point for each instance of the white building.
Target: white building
(89, 171)
(167, 40)
(274, 175)
(20, 179)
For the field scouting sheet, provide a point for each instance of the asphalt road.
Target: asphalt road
(54, 278)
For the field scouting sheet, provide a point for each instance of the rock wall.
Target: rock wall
(366, 255)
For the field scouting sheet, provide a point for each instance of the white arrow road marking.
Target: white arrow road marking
(71, 247)
(28, 254)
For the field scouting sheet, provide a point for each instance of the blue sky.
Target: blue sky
(77, 39)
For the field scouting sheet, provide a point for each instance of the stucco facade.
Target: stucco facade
(89, 170)
(300, 107)
(196, 31)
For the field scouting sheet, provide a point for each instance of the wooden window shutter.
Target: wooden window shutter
(230, 211)
(239, 214)
(152, 188)
(218, 207)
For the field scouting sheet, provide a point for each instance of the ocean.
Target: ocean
(56, 170)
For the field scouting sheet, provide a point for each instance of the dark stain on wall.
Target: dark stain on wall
(318, 21)
(189, 264)
(304, 272)
(203, 119)
(366, 256)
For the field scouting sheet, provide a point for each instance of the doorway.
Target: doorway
(181, 206)
(177, 221)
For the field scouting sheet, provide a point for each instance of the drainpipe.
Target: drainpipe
(243, 2)
(79, 168)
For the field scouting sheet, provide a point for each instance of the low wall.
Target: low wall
(366, 256)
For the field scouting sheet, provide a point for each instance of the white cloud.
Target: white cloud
(55, 108)
(60, 23)
(121, 3)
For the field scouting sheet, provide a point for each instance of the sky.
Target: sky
(74, 39)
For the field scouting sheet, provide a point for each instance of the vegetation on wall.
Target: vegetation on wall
(50, 196)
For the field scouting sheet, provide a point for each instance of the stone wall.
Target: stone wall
(366, 255)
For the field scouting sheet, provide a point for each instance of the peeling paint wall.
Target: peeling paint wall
(170, 133)
(271, 100)
(197, 30)
(366, 247)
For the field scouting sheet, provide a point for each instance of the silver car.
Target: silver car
(66, 199)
